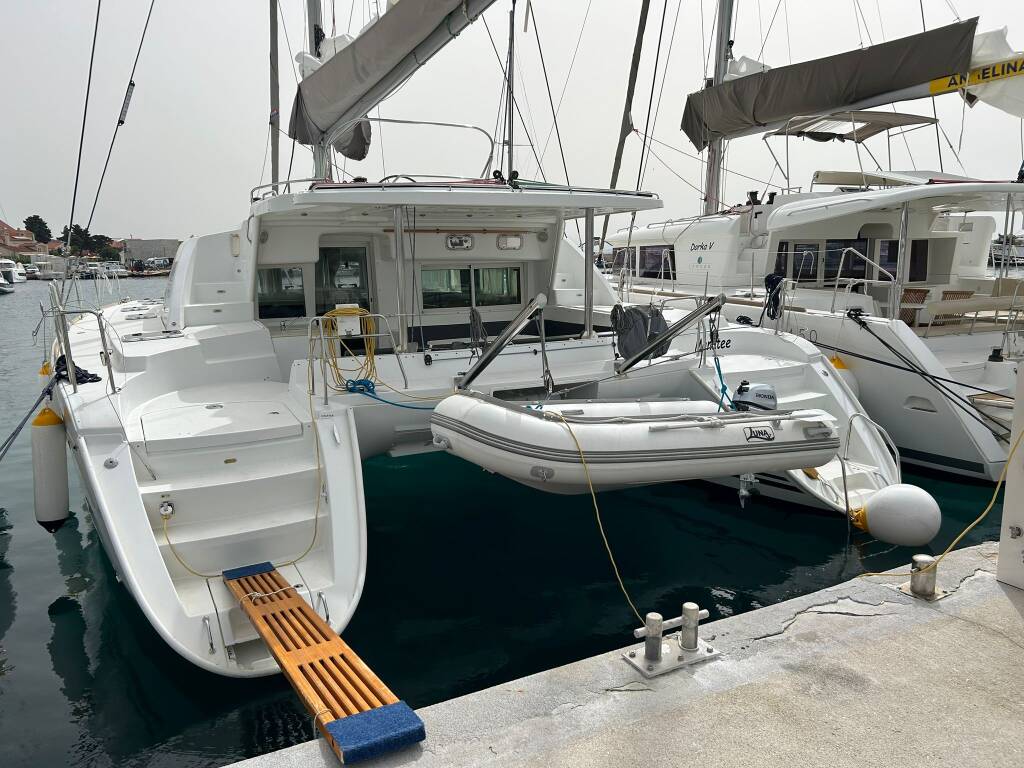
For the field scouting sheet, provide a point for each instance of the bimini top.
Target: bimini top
(847, 178)
(465, 202)
(851, 125)
(940, 197)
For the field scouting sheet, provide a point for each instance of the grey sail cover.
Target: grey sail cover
(851, 79)
(364, 72)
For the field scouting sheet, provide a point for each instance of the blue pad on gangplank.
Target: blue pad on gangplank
(247, 570)
(376, 731)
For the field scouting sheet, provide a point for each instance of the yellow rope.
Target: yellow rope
(597, 516)
(969, 528)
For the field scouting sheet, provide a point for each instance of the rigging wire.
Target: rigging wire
(288, 42)
(650, 99)
(867, 29)
(266, 148)
(123, 114)
(664, 74)
(81, 143)
(515, 102)
(702, 161)
(551, 103)
(789, 46)
(769, 32)
(565, 85)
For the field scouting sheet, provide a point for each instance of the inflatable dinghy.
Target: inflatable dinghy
(626, 442)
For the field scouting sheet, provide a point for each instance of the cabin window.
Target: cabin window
(781, 257)
(805, 262)
(446, 288)
(279, 292)
(341, 278)
(853, 265)
(918, 272)
(657, 261)
(620, 259)
(888, 251)
(496, 286)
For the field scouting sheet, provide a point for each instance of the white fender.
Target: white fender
(50, 469)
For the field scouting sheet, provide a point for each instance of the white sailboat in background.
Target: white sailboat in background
(225, 425)
(886, 272)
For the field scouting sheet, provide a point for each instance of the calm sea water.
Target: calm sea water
(472, 581)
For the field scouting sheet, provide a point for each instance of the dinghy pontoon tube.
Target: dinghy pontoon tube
(626, 442)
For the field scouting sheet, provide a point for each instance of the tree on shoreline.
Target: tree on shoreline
(39, 228)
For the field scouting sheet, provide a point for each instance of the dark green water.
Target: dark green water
(472, 581)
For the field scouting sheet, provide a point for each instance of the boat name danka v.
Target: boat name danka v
(219, 431)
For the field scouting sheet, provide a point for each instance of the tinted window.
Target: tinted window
(444, 288)
(805, 262)
(657, 261)
(780, 258)
(279, 292)
(496, 286)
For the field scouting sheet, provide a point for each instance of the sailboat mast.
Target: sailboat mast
(275, 101)
(321, 158)
(723, 52)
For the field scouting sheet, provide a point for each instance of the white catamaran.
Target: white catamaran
(883, 270)
(224, 425)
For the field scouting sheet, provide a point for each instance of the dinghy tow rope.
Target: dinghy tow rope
(600, 524)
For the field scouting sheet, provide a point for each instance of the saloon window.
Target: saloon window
(279, 292)
(657, 261)
(496, 286)
(446, 288)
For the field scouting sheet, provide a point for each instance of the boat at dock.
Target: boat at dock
(883, 270)
(223, 426)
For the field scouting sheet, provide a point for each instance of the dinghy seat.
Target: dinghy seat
(358, 715)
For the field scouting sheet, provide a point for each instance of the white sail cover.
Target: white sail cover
(1005, 89)
(331, 100)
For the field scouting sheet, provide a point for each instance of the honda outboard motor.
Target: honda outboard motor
(755, 397)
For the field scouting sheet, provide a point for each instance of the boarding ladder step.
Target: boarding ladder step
(358, 715)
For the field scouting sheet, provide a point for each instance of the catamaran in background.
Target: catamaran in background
(885, 271)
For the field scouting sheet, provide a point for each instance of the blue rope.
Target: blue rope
(725, 389)
(368, 388)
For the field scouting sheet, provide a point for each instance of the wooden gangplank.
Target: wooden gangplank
(358, 715)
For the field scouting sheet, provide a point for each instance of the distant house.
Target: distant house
(137, 249)
(19, 244)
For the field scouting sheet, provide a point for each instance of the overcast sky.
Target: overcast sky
(195, 138)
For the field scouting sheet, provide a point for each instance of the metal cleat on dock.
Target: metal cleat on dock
(656, 656)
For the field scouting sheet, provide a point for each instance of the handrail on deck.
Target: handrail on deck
(891, 281)
(61, 328)
(318, 321)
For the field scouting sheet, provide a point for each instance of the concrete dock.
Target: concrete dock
(855, 675)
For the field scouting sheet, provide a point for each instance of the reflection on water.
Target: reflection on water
(472, 581)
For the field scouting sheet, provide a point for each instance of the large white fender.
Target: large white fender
(50, 469)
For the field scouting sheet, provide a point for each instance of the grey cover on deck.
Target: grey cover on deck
(763, 99)
(363, 73)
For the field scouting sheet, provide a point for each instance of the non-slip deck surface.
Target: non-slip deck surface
(332, 681)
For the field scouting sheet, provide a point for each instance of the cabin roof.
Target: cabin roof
(451, 202)
(954, 197)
